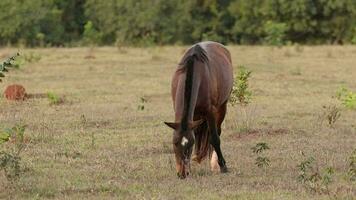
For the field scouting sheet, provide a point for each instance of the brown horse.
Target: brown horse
(201, 87)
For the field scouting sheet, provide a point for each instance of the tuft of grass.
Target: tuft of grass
(331, 113)
(54, 99)
(296, 71)
(351, 172)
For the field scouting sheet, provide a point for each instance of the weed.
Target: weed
(347, 97)
(261, 161)
(10, 160)
(313, 178)
(54, 99)
(141, 105)
(331, 113)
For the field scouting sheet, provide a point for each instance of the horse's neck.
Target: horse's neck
(179, 103)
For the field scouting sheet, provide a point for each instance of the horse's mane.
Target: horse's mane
(196, 53)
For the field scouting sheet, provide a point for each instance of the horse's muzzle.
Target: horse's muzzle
(184, 169)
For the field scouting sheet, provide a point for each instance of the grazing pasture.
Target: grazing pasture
(106, 138)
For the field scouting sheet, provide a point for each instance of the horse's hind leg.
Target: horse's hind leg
(215, 141)
(214, 162)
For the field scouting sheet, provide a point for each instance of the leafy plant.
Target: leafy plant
(261, 161)
(54, 99)
(275, 33)
(241, 95)
(313, 178)
(9, 63)
(240, 92)
(347, 97)
(90, 35)
(10, 160)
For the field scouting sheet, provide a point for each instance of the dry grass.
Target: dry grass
(99, 145)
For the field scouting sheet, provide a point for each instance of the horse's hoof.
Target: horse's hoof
(223, 169)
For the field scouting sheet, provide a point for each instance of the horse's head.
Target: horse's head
(183, 141)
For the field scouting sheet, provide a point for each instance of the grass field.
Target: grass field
(99, 145)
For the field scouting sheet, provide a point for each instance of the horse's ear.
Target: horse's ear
(172, 125)
(193, 125)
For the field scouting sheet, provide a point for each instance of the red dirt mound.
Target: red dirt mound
(15, 92)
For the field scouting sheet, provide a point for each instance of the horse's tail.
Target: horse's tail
(202, 144)
(196, 53)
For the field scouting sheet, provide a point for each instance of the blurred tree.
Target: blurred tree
(147, 22)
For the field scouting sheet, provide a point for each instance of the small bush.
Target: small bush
(313, 178)
(275, 33)
(91, 36)
(54, 99)
(240, 92)
(10, 160)
(347, 97)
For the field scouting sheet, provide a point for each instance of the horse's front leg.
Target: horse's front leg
(215, 142)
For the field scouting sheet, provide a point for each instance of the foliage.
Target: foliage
(54, 99)
(10, 160)
(275, 33)
(142, 22)
(347, 97)
(240, 92)
(91, 35)
(313, 178)
(261, 161)
(7, 64)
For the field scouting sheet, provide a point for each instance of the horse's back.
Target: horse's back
(221, 71)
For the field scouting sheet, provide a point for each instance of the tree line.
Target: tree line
(161, 22)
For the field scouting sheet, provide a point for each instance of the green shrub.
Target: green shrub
(347, 97)
(10, 159)
(275, 33)
(54, 99)
(313, 178)
(240, 92)
(90, 35)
